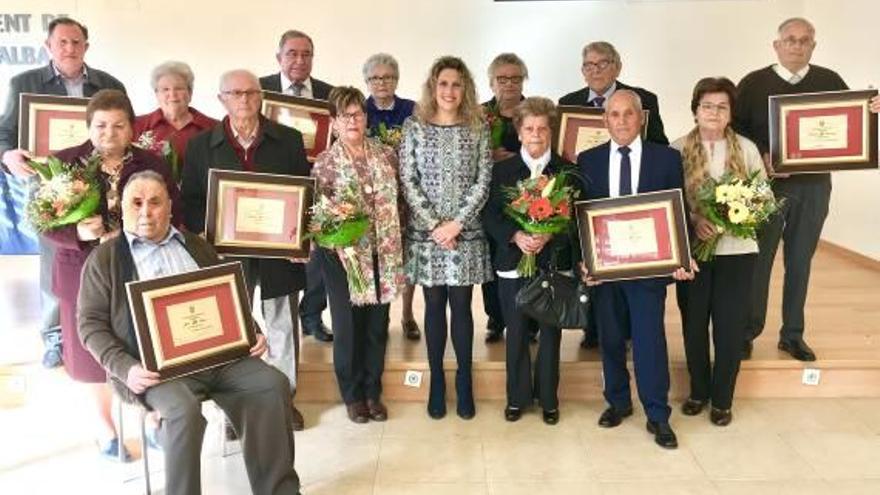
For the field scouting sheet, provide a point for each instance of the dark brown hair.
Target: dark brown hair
(67, 21)
(109, 99)
(708, 85)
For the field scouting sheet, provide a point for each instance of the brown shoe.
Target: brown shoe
(297, 418)
(358, 412)
(378, 411)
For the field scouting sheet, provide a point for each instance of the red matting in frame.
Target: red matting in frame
(572, 130)
(222, 293)
(604, 251)
(43, 119)
(854, 132)
(311, 117)
(291, 213)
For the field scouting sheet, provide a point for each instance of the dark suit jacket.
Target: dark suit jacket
(279, 150)
(320, 89)
(656, 133)
(660, 169)
(43, 81)
(104, 320)
(501, 227)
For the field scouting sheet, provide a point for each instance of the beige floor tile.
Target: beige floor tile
(416, 460)
(544, 488)
(690, 487)
(411, 420)
(839, 455)
(635, 457)
(334, 487)
(776, 487)
(866, 410)
(752, 456)
(430, 489)
(556, 456)
(330, 457)
(855, 487)
(824, 415)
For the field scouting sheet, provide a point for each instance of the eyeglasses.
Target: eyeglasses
(351, 117)
(792, 42)
(509, 79)
(596, 66)
(237, 94)
(712, 107)
(381, 79)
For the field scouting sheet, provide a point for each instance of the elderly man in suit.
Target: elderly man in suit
(627, 165)
(295, 54)
(254, 396)
(247, 141)
(66, 75)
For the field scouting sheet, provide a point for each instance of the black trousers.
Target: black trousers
(520, 387)
(720, 294)
(360, 334)
(798, 226)
(314, 299)
(458, 299)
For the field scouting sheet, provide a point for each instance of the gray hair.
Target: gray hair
(796, 20)
(634, 98)
(507, 59)
(145, 175)
(602, 48)
(291, 34)
(377, 60)
(237, 72)
(534, 106)
(172, 68)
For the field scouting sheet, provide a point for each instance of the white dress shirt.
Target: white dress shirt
(788, 75)
(287, 87)
(635, 159)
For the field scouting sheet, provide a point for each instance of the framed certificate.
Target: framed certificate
(48, 123)
(823, 132)
(630, 237)
(258, 215)
(309, 117)
(192, 321)
(581, 128)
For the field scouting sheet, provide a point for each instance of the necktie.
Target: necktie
(296, 88)
(625, 171)
(597, 102)
(794, 79)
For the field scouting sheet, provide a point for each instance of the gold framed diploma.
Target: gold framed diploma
(823, 132)
(310, 117)
(192, 321)
(582, 128)
(631, 237)
(48, 123)
(258, 215)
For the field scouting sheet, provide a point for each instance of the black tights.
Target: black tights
(462, 330)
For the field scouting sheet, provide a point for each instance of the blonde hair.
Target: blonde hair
(694, 157)
(469, 112)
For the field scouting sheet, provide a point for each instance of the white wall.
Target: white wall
(666, 46)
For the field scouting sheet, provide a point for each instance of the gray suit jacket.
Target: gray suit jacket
(44, 81)
(320, 89)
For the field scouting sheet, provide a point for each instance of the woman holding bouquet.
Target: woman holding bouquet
(360, 174)
(110, 119)
(445, 169)
(721, 288)
(533, 120)
(386, 113)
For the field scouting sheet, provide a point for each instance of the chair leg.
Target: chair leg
(144, 451)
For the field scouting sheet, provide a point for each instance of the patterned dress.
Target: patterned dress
(445, 172)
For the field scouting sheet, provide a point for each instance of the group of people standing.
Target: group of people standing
(435, 199)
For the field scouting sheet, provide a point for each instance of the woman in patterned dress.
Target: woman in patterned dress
(368, 170)
(445, 169)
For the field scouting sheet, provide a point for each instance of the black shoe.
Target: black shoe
(437, 397)
(512, 413)
(437, 412)
(321, 333)
(52, 358)
(411, 329)
(692, 407)
(612, 416)
(494, 335)
(798, 349)
(720, 417)
(663, 434)
(747, 350)
(358, 412)
(589, 342)
(551, 417)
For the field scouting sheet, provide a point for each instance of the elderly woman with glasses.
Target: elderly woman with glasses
(167, 130)
(386, 113)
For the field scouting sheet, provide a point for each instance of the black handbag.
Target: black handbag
(554, 299)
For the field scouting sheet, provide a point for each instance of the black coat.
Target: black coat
(279, 150)
(501, 228)
(272, 82)
(656, 133)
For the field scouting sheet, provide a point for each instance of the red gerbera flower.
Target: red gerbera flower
(562, 209)
(540, 209)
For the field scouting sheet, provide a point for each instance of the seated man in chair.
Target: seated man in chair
(254, 395)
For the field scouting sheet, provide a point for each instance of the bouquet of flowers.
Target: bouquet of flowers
(338, 223)
(539, 205)
(496, 126)
(735, 206)
(66, 193)
(390, 136)
(163, 148)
